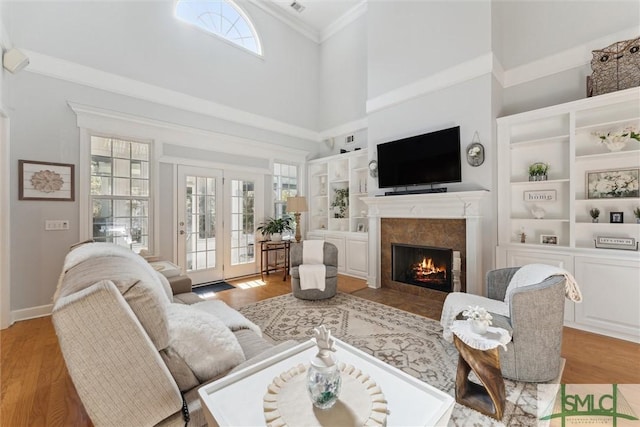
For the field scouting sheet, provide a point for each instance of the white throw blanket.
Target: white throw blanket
(227, 315)
(312, 270)
(313, 251)
(531, 274)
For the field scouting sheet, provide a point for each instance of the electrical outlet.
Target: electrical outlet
(56, 224)
(349, 139)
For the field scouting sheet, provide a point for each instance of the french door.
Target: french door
(217, 211)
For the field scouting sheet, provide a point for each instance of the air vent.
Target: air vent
(297, 6)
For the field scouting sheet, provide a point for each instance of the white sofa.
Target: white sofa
(136, 352)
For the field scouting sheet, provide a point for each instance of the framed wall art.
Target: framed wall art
(616, 217)
(45, 181)
(548, 239)
(612, 184)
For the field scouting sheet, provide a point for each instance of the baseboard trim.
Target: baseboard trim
(31, 313)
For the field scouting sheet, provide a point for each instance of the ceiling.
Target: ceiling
(318, 15)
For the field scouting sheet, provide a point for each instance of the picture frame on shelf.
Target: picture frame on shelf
(615, 242)
(46, 181)
(616, 217)
(548, 239)
(612, 183)
(360, 227)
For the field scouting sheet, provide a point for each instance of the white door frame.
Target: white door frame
(258, 209)
(201, 275)
(5, 223)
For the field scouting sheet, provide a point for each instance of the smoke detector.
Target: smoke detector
(297, 6)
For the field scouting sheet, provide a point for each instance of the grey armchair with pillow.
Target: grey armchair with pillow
(330, 260)
(535, 321)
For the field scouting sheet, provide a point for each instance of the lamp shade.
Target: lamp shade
(297, 204)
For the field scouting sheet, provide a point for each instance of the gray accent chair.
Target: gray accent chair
(331, 278)
(535, 323)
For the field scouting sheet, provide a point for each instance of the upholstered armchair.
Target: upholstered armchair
(535, 321)
(330, 260)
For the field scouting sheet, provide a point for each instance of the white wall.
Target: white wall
(143, 40)
(343, 75)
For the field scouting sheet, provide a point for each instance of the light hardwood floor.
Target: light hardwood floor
(36, 389)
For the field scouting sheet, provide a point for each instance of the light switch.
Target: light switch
(56, 224)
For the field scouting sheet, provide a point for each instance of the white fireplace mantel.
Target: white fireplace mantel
(467, 205)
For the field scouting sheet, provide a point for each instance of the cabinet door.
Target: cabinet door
(342, 256)
(357, 257)
(610, 296)
(517, 258)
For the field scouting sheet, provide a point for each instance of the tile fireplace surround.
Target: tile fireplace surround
(450, 220)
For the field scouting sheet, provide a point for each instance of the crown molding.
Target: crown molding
(345, 20)
(91, 77)
(103, 120)
(345, 128)
(562, 61)
(467, 70)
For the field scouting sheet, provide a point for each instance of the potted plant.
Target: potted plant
(274, 227)
(636, 212)
(595, 213)
(479, 318)
(340, 202)
(538, 171)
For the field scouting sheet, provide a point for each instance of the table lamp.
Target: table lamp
(297, 204)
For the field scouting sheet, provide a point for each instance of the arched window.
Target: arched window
(223, 18)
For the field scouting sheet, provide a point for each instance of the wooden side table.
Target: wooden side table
(484, 361)
(268, 246)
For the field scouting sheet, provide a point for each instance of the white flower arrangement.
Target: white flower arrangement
(474, 151)
(615, 140)
(477, 313)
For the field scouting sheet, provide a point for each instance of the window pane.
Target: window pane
(121, 167)
(139, 187)
(100, 146)
(100, 186)
(121, 187)
(121, 208)
(139, 151)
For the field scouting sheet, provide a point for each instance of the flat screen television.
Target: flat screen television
(431, 158)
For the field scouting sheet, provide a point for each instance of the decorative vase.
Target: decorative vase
(479, 326)
(615, 143)
(323, 384)
(276, 237)
(324, 379)
(537, 177)
(637, 220)
(537, 212)
(594, 220)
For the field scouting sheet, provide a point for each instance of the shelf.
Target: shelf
(627, 226)
(541, 220)
(533, 183)
(547, 140)
(609, 155)
(630, 200)
(362, 169)
(339, 181)
(620, 122)
(536, 245)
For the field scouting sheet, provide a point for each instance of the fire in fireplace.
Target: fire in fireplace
(426, 266)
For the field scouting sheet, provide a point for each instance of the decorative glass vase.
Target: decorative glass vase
(323, 384)
(594, 220)
(479, 326)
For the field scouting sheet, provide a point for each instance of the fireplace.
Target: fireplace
(424, 266)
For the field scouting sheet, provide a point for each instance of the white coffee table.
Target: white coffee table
(237, 399)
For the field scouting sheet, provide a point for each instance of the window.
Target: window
(223, 18)
(285, 184)
(120, 195)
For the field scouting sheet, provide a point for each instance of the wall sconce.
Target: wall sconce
(14, 60)
(475, 151)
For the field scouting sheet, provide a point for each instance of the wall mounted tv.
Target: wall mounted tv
(431, 158)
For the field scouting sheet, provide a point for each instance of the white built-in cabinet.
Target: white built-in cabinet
(345, 228)
(563, 136)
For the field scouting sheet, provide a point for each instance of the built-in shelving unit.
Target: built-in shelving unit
(346, 227)
(564, 137)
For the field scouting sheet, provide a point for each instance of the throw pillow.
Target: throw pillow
(205, 344)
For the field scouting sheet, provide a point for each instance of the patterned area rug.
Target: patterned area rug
(409, 342)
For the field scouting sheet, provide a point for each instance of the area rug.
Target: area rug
(411, 343)
(210, 288)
